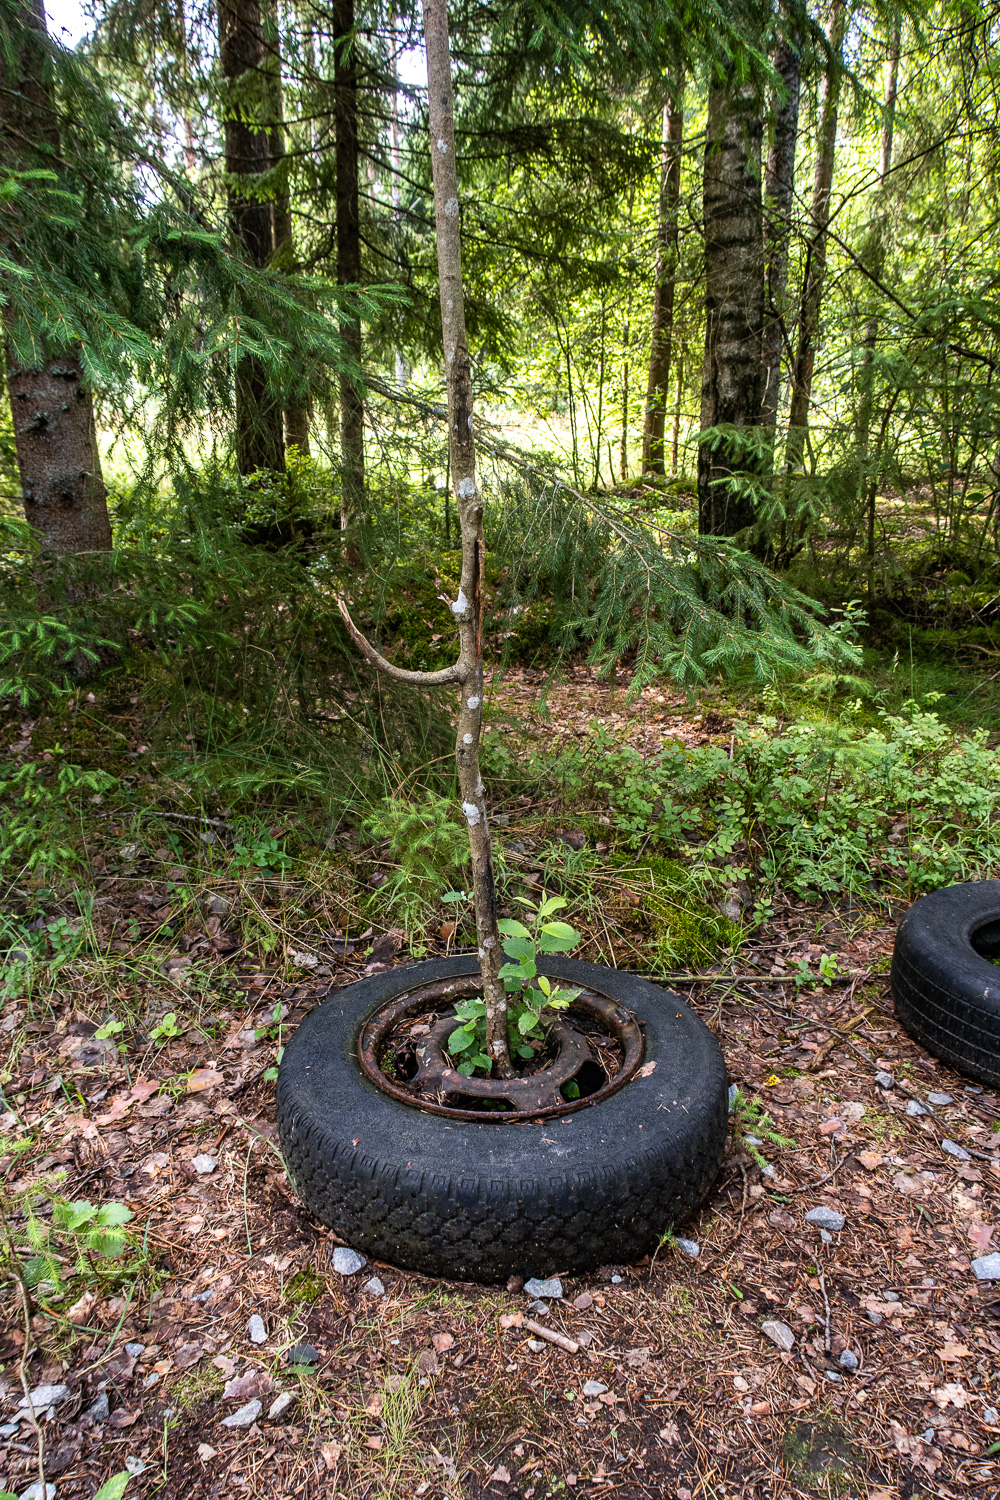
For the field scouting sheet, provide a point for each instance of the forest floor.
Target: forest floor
(431, 1389)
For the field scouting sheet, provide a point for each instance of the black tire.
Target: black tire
(946, 990)
(480, 1202)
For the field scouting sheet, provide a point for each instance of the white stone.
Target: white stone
(375, 1287)
(954, 1149)
(205, 1452)
(204, 1164)
(347, 1262)
(914, 1107)
(536, 1345)
(34, 1492)
(537, 1288)
(280, 1404)
(43, 1396)
(256, 1330)
(826, 1218)
(987, 1267)
(778, 1333)
(246, 1416)
(689, 1247)
(594, 1388)
(940, 1099)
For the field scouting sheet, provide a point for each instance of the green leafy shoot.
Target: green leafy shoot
(752, 1129)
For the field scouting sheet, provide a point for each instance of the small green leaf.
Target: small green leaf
(460, 1040)
(571, 1090)
(554, 903)
(510, 928)
(544, 986)
(110, 1215)
(114, 1488)
(518, 947)
(527, 1021)
(467, 1068)
(453, 896)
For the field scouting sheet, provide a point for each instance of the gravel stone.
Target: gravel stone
(34, 1492)
(875, 1317)
(833, 1375)
(204, 1164)
(134, 1350)
(101, 1410)
(616, 1281)
(9, 1429)
(256, 1330)
(536, 1345)
(849, 1360)
(279, 1405)
(884, 1080)
(374, 1287)
(347, 1262)
(826, 1218)
(987, 1267)
(246, 1416)
(778, 1333)
(955, 1150)
(914, 1107)
(733, 1090)
(940, 1099)
(689, 1247)
(43, 1396)
(539, 1308)
(550, 1288)
(594, 1388)
(990, 1416)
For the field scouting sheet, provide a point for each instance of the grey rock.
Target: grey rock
(733, 1091)
(689, 1247)
(875, 1317)
(550, 1288)
(245, 1417)
(972, 1088)
(826, 1236)
(35, 1492)
(204, 1164)
(778, 1333)
(890, 1297)
(134, 1465)
(987, 1267)
(539, 1308)
(303, 1354)
(833, 1375)
(914, 1107)
(8, 1429)
(536, 1345)
(594, 1388)
(256, 1330)
(990, 1416)
(347, 1262)
(202, 1296)
(884, 1080)
(928, 1435)
(134, 1350)
(280, 1405)
(150, 1381)
(616, 1280)
(940, 1099)
(374, 1287)
(216, 906)
(955, 1150)
(584, 1339)
(100, 1410)
(753, 1140)
(826, 1218)
(849, 1360)
(43, 1396)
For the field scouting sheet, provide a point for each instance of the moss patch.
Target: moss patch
(819, 1457)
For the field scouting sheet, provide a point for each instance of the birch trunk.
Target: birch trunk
(868, 483)
(259, 438)
(779, 192)
(815, 272)
(352, 415)
(734, 303)
(661, 342)
(52, 408)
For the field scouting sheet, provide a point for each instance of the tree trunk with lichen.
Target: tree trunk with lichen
(467, 672)
(661, 340)
(52, 408)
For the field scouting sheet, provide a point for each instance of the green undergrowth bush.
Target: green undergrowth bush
(814, 808)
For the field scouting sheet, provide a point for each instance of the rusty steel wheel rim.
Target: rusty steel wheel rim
(536, 1097)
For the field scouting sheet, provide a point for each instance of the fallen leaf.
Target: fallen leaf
(225, 1364)
(646, 1070)
(187, 1355)
(144, 1088)
(980, 1235)
(330, 1454)
(670, 1434)
(442, 1341)
(950, 1353)
(828, 1127)
(373, 1442)
(122, 1417)
(500, 1476)
(950, 1395)
(246, 1387)
(201, 1079)
(119, 1109)
(870, 1160)
(80, 1311)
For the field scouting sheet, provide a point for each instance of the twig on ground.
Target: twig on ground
(540, 1331)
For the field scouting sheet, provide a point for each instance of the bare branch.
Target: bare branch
(398, 674)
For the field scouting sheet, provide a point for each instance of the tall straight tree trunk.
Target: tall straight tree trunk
(352, 415)
(259, 439)
(734, 304)
(296, 410)
(779, 192)
(52, 408)
(815, 272)
(869, 486)
(657, 388)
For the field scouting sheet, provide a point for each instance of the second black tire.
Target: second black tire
(945, 987)
(480, 1202)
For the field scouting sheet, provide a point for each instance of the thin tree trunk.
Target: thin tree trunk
(259, 440)
(734, 304)
(866, 375)
(623, 445)
(352, 415)
(296, 408)
(676, 435)
(815, 272)
(402, 368)
(657, 389)
(52, 408)
(779, 192)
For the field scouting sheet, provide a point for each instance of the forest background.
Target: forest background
(730, 280)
